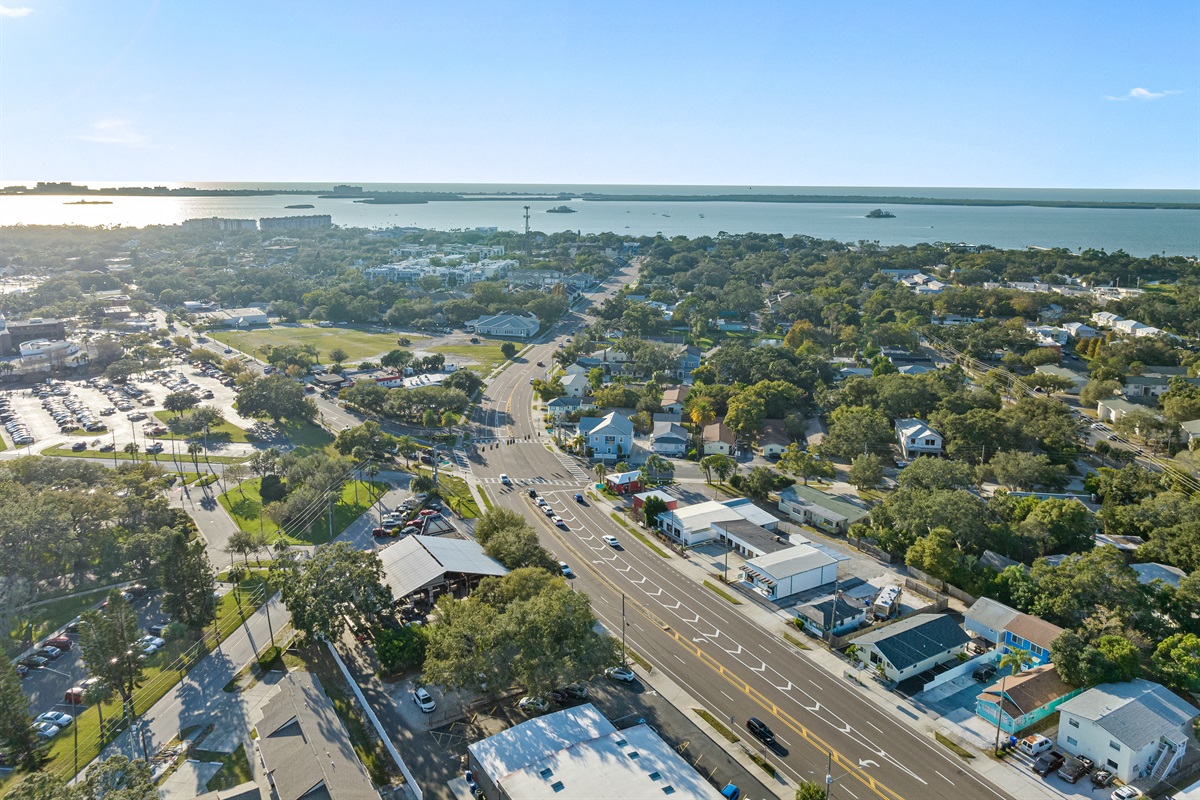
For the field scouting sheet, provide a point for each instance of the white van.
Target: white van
(1034, 745)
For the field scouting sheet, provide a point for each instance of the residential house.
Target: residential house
(692, 525)
(1010, 629)
(304, 748)
(912, 645)
(1111, 410)
(1152, 384)
(576, 384)
(854, 372)
(836, 615)
(624, 482)
(1105, 319)
(988, 618)
(1150, 572)
(826, 512)
(516, 326)
(609, 438)
(1077, 380)
(1137, 729)
(1128, 326)
(689, 359)
(1022, 700)
(669, 439)
(774, 439)
(1191, 433)
(672, 399)
(719, 440)
(561, 406)
(1078, 330)
(917, 438)
(916, 369)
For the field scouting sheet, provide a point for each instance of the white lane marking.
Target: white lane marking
(952, 783)
(730, 698)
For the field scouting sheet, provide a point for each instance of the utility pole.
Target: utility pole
(527, 251)
(624, 657)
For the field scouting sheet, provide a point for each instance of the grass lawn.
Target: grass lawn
(235, 768)
(163, 459)
(359, 345)
(49, 617)
(486, 354)
(307, 437)
(225, 432)
(160, 675)
(456, 493)
(243, 503)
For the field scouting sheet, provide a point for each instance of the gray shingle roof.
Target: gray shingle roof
(915, 639)
(991, 613)
(1134, 713)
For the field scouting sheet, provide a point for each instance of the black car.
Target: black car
(558, 696)
(1047, 762)
(760, 730)
(156, 630)
(985, 673)
(533, 493)
(34, 661)
(1075, 769)
(1102, 778)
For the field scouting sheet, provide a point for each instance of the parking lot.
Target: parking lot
(95, 414)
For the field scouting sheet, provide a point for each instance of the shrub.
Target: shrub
(272, 489)
(400, 649)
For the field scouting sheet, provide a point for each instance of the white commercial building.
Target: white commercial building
(790, 571)
(517, 326)
(1137, 729)
(238, 317)
(692, 525)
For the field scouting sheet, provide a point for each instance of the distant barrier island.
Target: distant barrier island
(359, 195)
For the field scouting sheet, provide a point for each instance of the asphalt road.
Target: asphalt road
(737, 669)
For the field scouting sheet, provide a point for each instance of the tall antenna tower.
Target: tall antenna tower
(527, 251)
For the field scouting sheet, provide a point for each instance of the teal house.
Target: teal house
(1024, 699)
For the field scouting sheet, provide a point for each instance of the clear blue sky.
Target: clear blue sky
(1054, 94)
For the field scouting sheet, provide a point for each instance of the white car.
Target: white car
(557, 520)
(611, 540)
(548, 511)
(46, 730)
(530, 704)
(56, 718)
(1098, 426)
(620, 674)
(507, 481)
(1127, 793)
(541, 501)
(424, 700)
(157, 641)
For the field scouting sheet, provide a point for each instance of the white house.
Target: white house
(719, 440)
(1137, 729)
(790, 571)
(1077, 380)
(609, 437)
(1105, 319)
(668, 439)
(518, 326)
(561, 406)
(691, 525)
(576, 384)
(672, 399)
(917, 438)
(1080, 331)
(912, 645)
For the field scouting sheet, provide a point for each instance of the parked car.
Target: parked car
(530, 704)
(559, 521)
(558, 696)
(1102, 778)
(379, 533)
(157, 629)
(424, 700)
(59, 642)
(56, 718)
(1048, 762)
(79, 447)
(760, 730)
(576, 690)
(1127, 793)
(51, 653)
(1034, 745)
(984, 673)
(46, 730)
(1075, 769)
(620, 674)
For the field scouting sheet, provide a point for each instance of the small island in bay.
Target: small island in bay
(88, 203)
(560, 210)
(879, 213)
(301, 205)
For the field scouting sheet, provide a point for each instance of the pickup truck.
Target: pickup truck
(1048, 762)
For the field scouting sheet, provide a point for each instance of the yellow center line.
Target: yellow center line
(708, 660)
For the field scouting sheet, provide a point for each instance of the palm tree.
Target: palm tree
(707, 463)
(1014, 660)
(600, 471)
(702, 413)
(97, 695)
(194, 448)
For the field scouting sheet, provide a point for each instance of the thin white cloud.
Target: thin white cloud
(9, 11)
(1138, 93)
(115, 131)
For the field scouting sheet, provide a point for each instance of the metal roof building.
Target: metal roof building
(417, 563)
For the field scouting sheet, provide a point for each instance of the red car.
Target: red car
(59, 642)
(380, 532)
(429, 512)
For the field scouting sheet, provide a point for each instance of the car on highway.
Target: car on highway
(45, 730)
(533, 705)
(541, 502)
(424, 700)
(559, 521)
(507, 481)
(579, 498)
(533, 493)
(611, 540)
(760, 730)
(540, 364)
(565, 569)
(56, 718)
(547, 510)
(624, 674)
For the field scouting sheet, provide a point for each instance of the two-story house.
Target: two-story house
(916, 438)
(1136, 730)
(672, 399)
(1010, 629)
(610, 438)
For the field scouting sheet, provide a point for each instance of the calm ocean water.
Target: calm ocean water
(1140, 232)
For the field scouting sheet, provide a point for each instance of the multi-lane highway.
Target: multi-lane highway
(735, 668)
